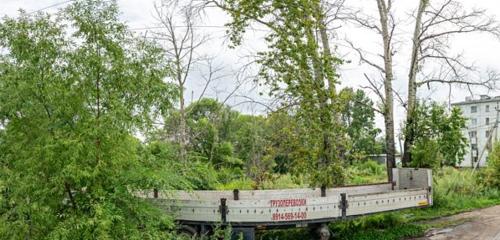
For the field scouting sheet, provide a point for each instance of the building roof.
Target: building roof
(483, 99)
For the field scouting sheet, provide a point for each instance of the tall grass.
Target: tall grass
(458, 190)
(366, 172)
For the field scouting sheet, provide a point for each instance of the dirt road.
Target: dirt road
(481, 224)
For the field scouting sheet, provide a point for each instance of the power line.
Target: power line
(182, 26)
(51, 6)
(199, 26)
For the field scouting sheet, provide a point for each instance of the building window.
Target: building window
(472, 134)
(487, 121)
(473, 121)
(473, 109)
(487, 109)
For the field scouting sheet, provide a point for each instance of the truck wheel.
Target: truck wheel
(323, 232)
(188, 231)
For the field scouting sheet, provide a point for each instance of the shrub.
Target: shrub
(366, 172)
(241, 184)
(452, 181)
(457, 190)
(282, 182)
(492, 175)
(425, 154)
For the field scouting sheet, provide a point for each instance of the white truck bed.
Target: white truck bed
(411, 188)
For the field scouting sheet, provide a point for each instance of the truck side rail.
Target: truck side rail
(411, 188)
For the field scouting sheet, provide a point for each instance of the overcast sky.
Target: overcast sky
(483, 50)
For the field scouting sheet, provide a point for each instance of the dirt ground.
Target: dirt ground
(481, 224)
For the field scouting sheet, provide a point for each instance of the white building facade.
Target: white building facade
(481, 128)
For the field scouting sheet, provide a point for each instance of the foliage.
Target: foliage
(380, 226)
(455, 182)
(71, 98)
(426, 154)
(299, 69)
(283, 182)
(241, 184)
(163, 158)
(439, 140)
(493, 170)
(366, 172)
(359, 119)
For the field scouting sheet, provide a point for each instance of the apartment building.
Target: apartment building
(481, 130)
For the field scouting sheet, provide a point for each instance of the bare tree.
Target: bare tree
(431, 61)
(181, 43)
(384, 27)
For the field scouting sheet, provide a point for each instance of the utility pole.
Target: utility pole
(490, 135)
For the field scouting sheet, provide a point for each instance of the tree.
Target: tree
(251, 142)
(385, 29)
(359, 118)
(74, 89)
(439, 138)
(299, 67)
(436, 22)
(180, 43)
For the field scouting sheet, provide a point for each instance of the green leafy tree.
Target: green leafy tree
(359, 117)
(73, 89)
(439, 138)
(299, 67)
(251, 144)
(211, 125)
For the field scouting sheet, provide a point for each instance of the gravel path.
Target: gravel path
(483, 224)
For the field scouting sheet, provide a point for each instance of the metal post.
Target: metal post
(223, 210)
(343, 204)
(155, 193)
(236, 194)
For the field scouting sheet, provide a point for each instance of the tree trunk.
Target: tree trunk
(326, 52)
(412, 86)
(389, 100)
(182, 126)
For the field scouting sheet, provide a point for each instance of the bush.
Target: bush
(460, 190)
(452, 181)
(202, 175)
(425, 154)
(379, 226)
(241, 184)
(492, 175)
(452, 185)
(282, 182)
(366, 172)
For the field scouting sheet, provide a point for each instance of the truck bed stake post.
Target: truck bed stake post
(236, 194)
(223, 210)
(155, 193)
(323, 191)
(343, 204)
